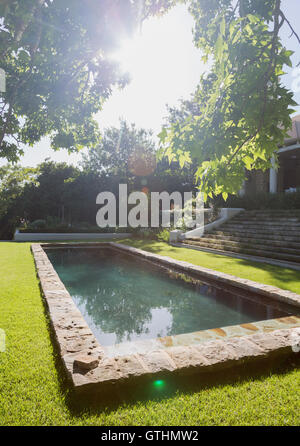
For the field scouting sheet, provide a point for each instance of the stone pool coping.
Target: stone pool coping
(92, 366)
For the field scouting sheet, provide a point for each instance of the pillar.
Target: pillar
(273, 178)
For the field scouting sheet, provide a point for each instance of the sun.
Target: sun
(162, 65)
(141, 54)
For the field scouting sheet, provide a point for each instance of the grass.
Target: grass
(284, 278)
(32, 386)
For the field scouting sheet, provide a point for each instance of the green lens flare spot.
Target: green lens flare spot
(159, 383)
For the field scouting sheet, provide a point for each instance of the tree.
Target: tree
(13, 180)
(128, 155)
(55, 54)
(49, 196)
(123, 152)
(12, 183)
(60, 195)
(240, 112)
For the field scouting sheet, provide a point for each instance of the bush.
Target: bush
(262, 201)
(52, 221)
(160, 234)
(65, 229)
(37, 224)
(164, 235)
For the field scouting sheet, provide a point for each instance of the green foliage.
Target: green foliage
(64, 196)
(13, 181)
(58, 72)
(240, 111)
(164, 236)
(28, 194)
(37, 224)
(87, 228)
(124, 152)
(264, 201)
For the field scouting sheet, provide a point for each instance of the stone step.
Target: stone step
(271, 212)
(260, 231)
(266, 233)
(227, 244)
(291, 225)
(267, 218)
(254, 238)
(254, 252)
(255, 219)
(257, 235)
(281, 230)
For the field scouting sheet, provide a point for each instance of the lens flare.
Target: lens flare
(159, 383)
(141, 163)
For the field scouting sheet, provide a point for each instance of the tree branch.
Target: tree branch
(267, 74)
(293, 32)
(24, 25)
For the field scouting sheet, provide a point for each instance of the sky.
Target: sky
(164, 66)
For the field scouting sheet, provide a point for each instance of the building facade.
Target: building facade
(287, 177)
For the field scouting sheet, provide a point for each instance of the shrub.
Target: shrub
(37, 224)
(263, 201)
(65, 228)
(164, 235)
(52, 221)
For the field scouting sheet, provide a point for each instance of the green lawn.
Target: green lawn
(32, 386)
(287, 279)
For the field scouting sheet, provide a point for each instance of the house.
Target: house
(287, 177)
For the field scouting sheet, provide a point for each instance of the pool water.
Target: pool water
(124, 298)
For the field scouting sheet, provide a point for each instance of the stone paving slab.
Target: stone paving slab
(92, 366)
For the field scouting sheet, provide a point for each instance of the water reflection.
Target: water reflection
(125, 299)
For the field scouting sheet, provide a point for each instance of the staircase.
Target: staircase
(273, 234)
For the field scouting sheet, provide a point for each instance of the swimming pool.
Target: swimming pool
(125, 299)
(124, 316)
